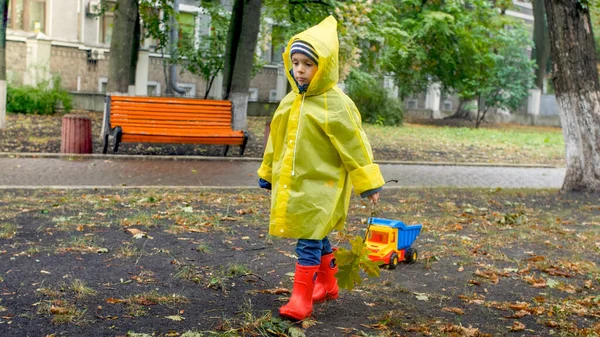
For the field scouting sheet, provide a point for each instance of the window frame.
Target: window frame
(26, 15)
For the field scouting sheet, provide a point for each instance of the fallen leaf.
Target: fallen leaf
(463, 331)
(134, 231)
(492, 276)
(519, 305)
(422, 296)
(536, 258)
(517, 326)
(275, 291)
(455, 310)
(175, 317)
(519, 314)
(112, 300)
(307, 323)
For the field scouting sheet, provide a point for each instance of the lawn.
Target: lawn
(446, 141)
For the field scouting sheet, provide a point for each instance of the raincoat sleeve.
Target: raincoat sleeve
(265, 171)
(350, 140)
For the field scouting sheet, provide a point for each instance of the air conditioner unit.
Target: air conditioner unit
(95, 54)
(93, 8)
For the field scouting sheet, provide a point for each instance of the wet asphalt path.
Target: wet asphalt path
(96, 171)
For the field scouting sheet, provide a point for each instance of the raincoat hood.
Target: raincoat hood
(323, 38)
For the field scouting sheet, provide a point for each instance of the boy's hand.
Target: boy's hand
(264, 184)
(374, 198)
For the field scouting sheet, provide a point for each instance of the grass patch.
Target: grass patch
(82, 244)
(8, 230)
(492, 143)
(137, 304)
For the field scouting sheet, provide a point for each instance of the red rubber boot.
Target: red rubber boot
(326, 287)
(300, 305)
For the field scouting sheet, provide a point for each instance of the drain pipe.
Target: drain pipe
(174, 38)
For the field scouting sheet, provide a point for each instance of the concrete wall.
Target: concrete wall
(15, 61)
(63, 20)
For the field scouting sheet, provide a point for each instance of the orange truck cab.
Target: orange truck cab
(390, 241)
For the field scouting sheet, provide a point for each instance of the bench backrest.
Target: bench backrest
(169, 112)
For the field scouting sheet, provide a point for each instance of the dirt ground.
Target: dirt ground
(200, 263)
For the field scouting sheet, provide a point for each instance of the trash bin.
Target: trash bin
(76, 134)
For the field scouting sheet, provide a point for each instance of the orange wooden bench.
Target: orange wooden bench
(139, 119)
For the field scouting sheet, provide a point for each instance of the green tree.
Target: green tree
(205, 58)
(456, 44)
(506, 84)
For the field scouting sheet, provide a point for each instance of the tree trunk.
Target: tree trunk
(4, 7)
(542, 42)
(239, 57)
(462, 112)
(123, 47)
(233, 39)
(575, 77)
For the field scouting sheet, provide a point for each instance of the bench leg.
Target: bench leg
(243, 146)
(105, 147)
(226, 150)
(118, 136)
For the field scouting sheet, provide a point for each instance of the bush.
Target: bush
(372, 100)
(42, 99)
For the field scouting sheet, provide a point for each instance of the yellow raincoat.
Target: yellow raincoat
(317, 149)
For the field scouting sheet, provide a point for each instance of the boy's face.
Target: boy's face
(304, 68)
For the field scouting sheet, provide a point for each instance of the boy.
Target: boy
(316, 152)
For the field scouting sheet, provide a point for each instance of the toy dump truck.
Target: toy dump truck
(390, 241)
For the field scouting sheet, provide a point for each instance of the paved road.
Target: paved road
(121, 171)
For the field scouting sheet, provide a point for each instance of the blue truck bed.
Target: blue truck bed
(406, 233)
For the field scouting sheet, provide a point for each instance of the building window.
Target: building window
(412, 102)
(153, 88)
(27, 15)
(107, 22)
(253, 95)
(187, 30)
(102, 81)
(190, 89)
(278, 44)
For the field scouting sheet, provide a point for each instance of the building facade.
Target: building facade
(70, 39)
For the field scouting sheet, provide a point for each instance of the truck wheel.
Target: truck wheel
(393, 261)
(411, 255)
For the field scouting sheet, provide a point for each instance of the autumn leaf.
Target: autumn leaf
(517, 326)
(493, 277)
(175, 318)
(275, 291)
(519, 305)
(351, 262)
(463, 331)
(112, 300)
(455, 310)
(519, 314)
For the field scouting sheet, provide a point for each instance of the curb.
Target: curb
(244, 159)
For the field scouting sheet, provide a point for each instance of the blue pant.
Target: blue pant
(310, 251)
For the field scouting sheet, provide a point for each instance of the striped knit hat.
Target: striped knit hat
(305, 48)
